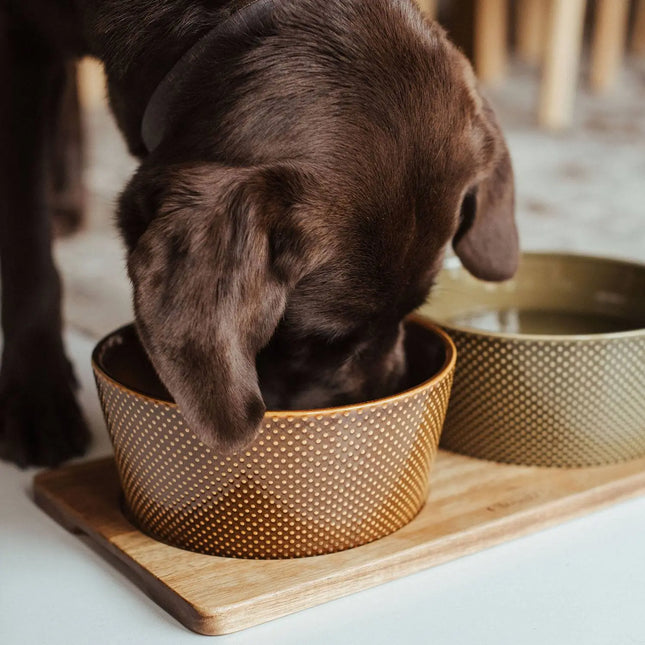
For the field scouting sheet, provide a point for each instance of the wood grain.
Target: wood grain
(473, 505)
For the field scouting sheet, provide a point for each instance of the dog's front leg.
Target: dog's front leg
(40, 421)
(66, 194)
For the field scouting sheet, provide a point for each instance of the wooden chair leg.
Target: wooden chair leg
(491, 34)
(429, 8)
(608, 44)
(638, 33)
(91, 82)
(565, 24)
(530, 30)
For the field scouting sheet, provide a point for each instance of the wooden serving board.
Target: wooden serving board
(473, 505)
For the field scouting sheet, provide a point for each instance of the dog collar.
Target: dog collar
(157, 114)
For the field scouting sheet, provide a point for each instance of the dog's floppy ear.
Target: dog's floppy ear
(211, 275)
(487, 241)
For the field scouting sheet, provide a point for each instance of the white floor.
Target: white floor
(583, 582)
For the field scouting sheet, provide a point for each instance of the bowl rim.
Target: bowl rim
(446, 369)
(453, 262)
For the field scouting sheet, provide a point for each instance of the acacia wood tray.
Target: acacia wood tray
(473, 505)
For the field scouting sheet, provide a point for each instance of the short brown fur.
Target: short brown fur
(298, 208)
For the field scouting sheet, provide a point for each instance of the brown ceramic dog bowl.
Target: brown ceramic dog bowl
(551, 363)
(311, 482)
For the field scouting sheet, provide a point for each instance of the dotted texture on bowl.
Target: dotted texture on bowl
(307, 485)
(547, 403)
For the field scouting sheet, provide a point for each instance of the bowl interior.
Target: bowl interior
(551, 294)
(122, 358)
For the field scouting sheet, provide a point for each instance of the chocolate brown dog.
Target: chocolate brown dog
(304, 166)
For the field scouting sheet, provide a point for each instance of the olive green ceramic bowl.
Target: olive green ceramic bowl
(551, 368)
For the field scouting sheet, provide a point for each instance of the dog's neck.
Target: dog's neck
(159, 114)
(141, 42)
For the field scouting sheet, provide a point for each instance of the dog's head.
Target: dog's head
(282, 233)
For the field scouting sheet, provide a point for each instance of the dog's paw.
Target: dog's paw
(41, 423)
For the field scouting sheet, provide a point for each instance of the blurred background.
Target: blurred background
(567, 78)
